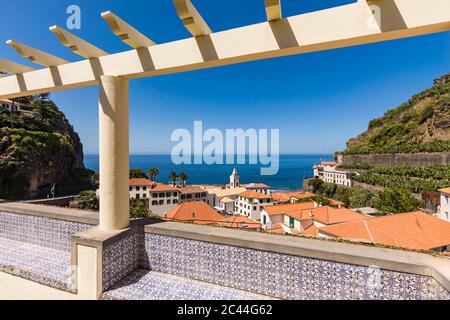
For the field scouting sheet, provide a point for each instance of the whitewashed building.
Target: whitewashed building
(327, 172)
(251, 204)
(444, 210)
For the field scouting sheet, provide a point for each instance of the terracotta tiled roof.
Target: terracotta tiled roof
(288, 208)
(445, 190)
(278, 229)
(226, 192)
(312, 231)
(328, 163)
(329, 215)
(226, 200)
(163, 187)
(199, 212)
(301, 194)
(191, 189)
(196, 211)
(242, 222)
(415, 230)
(254, 195)
(140, 182)
(280, 197)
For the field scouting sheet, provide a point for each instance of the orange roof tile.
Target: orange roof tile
(239, 221)
(414, 230)
(329, 163)
(278, 229)
(140, 182)
(329, 215)
(288, 208)
(199, 212)
(163, 187)
(192, 189)
(280, 197)
(254, 195)
(301, 194)
(196, 211)
(312, 231)
(445, 190)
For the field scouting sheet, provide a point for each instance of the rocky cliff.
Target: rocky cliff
(39, 151)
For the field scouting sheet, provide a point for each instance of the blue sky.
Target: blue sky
(318, 100)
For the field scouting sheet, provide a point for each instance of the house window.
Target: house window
(131, 188)
(154, 203)
(138, 188)
(155, 195)
(161, 195)
(161, 202)
(138, 196)
(174, 194)
(168, 194)
(169, 201)
(144, 195)
(175, 201)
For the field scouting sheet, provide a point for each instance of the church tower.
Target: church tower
(235, 179)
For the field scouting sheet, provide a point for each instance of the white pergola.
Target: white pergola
(338, 27)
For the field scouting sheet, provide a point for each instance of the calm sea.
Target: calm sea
(293, 168)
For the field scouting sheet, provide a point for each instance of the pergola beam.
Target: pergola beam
(273, 10)
(35, 55)
(14, 68)
(126, 32)
(77, 45)
(192, 20)
(338, 27)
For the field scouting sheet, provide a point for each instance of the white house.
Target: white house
(444, 212)
(251, 204)
(327, 172)
(219, 199)
(159, 198)
(15, 107)
(258, 187)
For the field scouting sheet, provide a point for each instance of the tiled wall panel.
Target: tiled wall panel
(283, 276)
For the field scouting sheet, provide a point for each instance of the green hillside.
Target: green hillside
(422, 124)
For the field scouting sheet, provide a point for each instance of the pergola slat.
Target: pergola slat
(192, 20)
(35, 55)
(338, 27)
(273, 10)
(127, 33)
(77, 45)
(14, 68)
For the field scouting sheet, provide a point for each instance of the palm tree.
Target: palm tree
(14, 119)
(184, 177)
(173, 177)
(40, 108)
(153, 172)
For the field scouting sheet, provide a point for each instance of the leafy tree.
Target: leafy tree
(361, 198)
(86, 200)
(153, 173)
(15, 120)
(139, 210)
(329, 189)
(316, 184)
(41, 110)
(396, 200)
(137, 173)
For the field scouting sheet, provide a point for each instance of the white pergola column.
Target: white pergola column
(114, 151)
